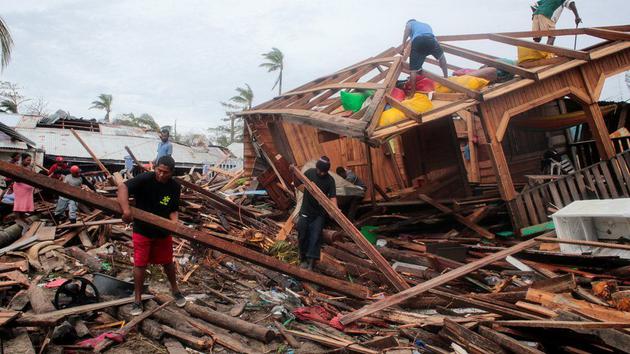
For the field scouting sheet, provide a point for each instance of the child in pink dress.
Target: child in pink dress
(23, 196)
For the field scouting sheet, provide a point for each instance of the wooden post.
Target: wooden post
(470, 130)
(599, 130)
(368, 153)
(133, 157)
(394, 278)
(87, 148)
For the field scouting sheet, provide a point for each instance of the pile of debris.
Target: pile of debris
(428, 286)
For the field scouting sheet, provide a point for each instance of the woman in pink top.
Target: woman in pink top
(23, 195)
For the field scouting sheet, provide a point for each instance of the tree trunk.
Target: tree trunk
(280, 83)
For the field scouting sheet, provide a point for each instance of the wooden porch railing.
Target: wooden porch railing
(602, 180)
(585, 152)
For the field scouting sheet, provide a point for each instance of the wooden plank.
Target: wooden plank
(437, 281)
(53, 317)
(564, 192)
(611, 35)
(562, 324)
(617, 246)
(576, 54)
(579, 179)
(590, 182)
(342, 85)
(452, 85)
(619, 178)
(538, 204)
(334, 342)
(557, 201)
(520, 213)
(610, 182)
(238, 251)
(507, 342)
(462, 220)
(490, 306)
(531, 210)
(471, 341)
(333, 211)
(625, 170)
(599, 180)
(94, 157)
(529, 34)
(409, 113)
(570, 181)
(488, 60)
(7, 316)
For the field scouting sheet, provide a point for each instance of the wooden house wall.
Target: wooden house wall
(432, 157)
(351, 153)
(523, 148)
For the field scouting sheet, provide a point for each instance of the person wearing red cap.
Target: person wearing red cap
(77, 180)
(55, 169)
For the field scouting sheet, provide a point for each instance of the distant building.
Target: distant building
(107, 141)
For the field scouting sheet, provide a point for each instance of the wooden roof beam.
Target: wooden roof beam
(607, 34)
(343, 85)
(335, 124)
(452, 85)
(575, 54)
(529, 34)
(489, 60)
(409, 113)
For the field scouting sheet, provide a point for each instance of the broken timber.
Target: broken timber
(437, 281)
(394, 278)
(462, 220)
(235, 250)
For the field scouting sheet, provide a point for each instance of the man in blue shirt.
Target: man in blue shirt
(423, 44)
(165, 148)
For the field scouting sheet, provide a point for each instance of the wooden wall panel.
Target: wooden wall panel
(432, 153)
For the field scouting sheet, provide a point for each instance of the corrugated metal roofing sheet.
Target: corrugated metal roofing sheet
(61, 142)
(14, 134)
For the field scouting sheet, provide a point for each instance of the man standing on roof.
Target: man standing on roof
(158, 193)
(165, 147)
(423, 44)
(59, 165)
(546, 14)
(312, 215)
(75, 179)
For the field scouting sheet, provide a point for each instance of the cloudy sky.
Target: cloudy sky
(176, 60)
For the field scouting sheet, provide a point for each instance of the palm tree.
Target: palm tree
(6, 42)
(244, 98)
(241, 102)
(275, 62)
(104, 102)
(8, 106)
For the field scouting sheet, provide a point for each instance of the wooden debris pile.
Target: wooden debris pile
(438, 280)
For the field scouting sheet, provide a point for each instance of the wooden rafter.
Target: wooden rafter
(489, 60)
(576, 54)
(529, 34)
(608, 34)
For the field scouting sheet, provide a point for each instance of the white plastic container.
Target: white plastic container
(594, 220)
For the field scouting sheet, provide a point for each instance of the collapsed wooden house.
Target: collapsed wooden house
(422, 154)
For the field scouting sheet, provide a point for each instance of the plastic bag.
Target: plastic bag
(352, 101)
(418, 103)
(527, 54)
(471, 82)
(423, 84)
(398, 94)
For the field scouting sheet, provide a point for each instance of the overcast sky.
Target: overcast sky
(176, 60)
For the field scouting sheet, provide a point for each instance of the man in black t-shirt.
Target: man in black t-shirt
(157, 193)
(312, 215)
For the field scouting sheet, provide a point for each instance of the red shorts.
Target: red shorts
(147, 250)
